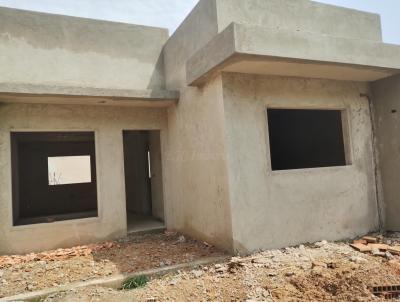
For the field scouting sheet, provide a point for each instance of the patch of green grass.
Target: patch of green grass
(135, 282)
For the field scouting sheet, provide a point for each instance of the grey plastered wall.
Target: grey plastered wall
(45, 49)
(300, 15)
(199, 27)
(272, 209)
(217, 184)
(157, 190)
(195, 165)
(107, 123)
(386, 104)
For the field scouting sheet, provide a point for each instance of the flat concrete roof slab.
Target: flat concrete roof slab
(27, 93)
(259, 50)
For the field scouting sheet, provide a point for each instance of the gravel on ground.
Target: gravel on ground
(323, 271)
(36, 271)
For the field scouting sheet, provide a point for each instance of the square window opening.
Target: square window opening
(53, 176)
(66, 170)
(307, 138)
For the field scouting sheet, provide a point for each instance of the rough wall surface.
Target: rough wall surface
(157, 189)
(197, 29)
(108, 124)
(45, 49)
(196, 180)
(300, 15)
(386, 97)
(272, 209)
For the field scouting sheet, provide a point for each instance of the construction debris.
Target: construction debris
(394, 250)
(57, 255)
(36, 271)
(373, 245)
(386, 292)
(370, 239)
(361, 247)
(326, 271)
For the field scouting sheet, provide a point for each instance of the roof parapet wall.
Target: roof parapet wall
(259, 50)
(301, 15)
(45, 49)
(212, 17)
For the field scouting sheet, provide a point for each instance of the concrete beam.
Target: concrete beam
(28, 93)
(259, 50)
(386, 108)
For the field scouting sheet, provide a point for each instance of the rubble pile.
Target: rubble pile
(322, 271)
(56, 255)
(36, 271)
(377, 246)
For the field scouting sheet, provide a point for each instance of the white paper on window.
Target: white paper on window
(65, 170)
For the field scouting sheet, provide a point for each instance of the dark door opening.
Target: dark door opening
(143, 180)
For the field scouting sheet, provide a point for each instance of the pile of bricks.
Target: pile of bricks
(373, 245)
(386, 292)
(59, 254)
(370, 244)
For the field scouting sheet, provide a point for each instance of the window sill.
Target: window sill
(316, 170)
(84, 219)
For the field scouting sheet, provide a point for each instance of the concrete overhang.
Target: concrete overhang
(259, 50)
(46, 94)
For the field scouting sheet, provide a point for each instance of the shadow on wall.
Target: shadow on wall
(157, 79)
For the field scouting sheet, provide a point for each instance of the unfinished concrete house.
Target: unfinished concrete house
(258, 124)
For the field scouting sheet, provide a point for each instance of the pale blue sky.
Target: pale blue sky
(170, 13)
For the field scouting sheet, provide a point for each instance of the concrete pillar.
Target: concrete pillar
(386, 97)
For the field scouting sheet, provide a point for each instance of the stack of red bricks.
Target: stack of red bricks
(370, 244)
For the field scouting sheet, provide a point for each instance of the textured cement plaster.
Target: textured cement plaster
(211, 17)
(386, 97)
(219, 186)
(242, 44)
(272, 209)
(300, 15)
(47, 49)
(196, 179)
(196, 30)
(108, 123)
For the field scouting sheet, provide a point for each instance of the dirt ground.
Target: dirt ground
(37, 271)
(318, 272)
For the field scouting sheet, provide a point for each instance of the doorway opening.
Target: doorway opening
(143, 180)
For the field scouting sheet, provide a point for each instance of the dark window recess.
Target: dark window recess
(301, 138)
(46, 188)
